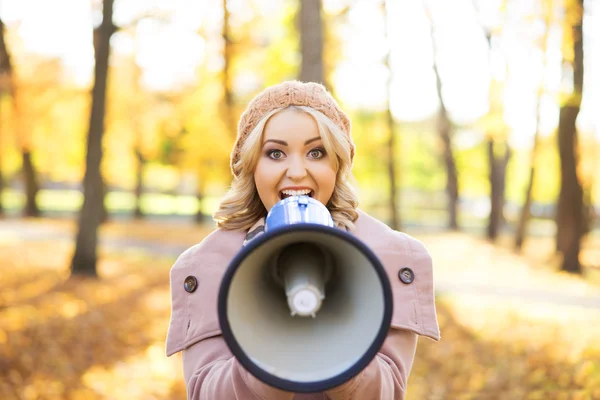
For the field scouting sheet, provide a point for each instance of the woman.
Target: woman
(293, 139)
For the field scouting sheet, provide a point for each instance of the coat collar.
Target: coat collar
(256, 230)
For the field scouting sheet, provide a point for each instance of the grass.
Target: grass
(151, 203)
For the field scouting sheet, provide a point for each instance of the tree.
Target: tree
(444, 127)
(547, 8)
(310, 26)
(1, 174)
(498, 156)
(570, 218)
(391, 143)
(23, 134)
(137, 128)
(227, 104)
(3, 79)
(498, 150)
(85, 256)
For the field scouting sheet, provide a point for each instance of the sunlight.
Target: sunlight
(548, 323)
(147, 374)
(360, 78)
(167, 66)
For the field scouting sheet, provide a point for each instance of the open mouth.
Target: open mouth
(284, 194)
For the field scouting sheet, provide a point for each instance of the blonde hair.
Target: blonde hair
(241, 206)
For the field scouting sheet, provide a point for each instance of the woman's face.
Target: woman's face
(293, 160)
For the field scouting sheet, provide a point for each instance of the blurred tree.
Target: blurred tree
(3, 89)
(205, 148)
(85, 256)
(499, 154)
(103, 209)
(22, 128)
(547, 8)
(227, 104)
(1, 169)
(138, 149)
(570, 219)
(498, 150)
(131, 133)
(444, 127)
(139, 181)
(310, 26)
(138, 113)
(391, 143)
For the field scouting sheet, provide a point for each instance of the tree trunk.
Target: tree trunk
(227, 105)
(444, 126)
(570, 210)
(444, 130)
(85, 257)
(104, 216)
(391, 143)
(5, 68)
(1, 188)
(139, 184)
(525, 212)
(1, 174)
(570, 200)
(137, 127)
(31, 187)
(311, 41)
(28, 169)
(451, 172)
(5, 76)
(526, 209)
(391, 164)
(589, 214)
(199, 214)
(497, 184)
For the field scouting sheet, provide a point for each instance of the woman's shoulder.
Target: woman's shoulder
(408, 264)
(219, 242)
(377, 234)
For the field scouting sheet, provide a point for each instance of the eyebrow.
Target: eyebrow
(283, 143)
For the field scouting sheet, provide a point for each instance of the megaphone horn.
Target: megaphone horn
(305, 306)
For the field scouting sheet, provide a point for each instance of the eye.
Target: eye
(275, 154)
(317, 153)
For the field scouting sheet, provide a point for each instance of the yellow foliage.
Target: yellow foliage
(86, 339)
(573, 16)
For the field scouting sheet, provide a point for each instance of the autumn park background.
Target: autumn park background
(477, 125)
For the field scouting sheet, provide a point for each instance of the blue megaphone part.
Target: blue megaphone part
(295, 210)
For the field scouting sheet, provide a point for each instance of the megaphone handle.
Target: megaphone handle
(304, 285)
(304, 302)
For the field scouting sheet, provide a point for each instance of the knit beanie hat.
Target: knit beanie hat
(290, 93)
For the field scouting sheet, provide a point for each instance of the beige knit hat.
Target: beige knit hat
(290, 93)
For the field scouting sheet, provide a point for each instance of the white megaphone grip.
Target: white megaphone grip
(303, 268)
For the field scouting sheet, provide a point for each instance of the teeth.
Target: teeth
(296, 192)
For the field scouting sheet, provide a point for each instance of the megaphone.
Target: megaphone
(305, 306)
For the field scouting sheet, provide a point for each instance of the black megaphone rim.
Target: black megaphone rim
(290, 385)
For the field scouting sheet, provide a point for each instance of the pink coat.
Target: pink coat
(212, 373)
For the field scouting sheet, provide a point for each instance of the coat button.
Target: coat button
(406, 275)
(190, 284)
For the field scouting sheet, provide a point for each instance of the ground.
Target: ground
(512, 327)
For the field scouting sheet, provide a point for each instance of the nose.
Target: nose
(296, 169)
